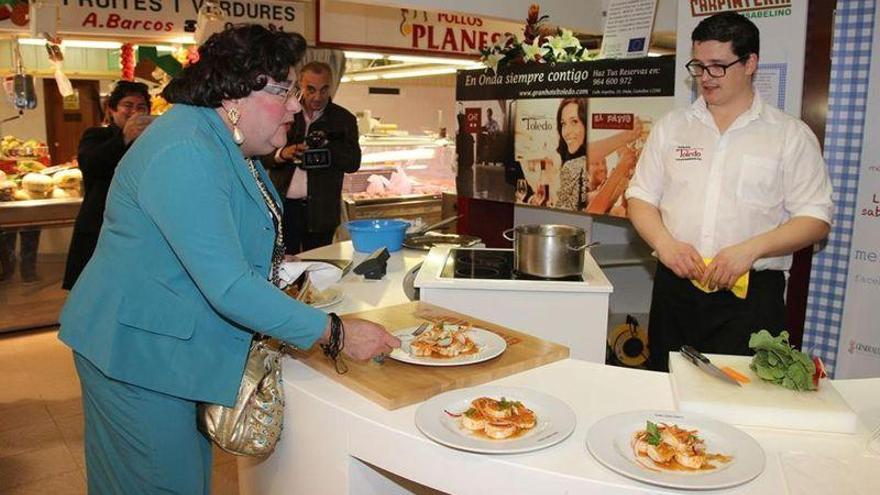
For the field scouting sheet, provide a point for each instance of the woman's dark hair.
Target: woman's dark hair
(733, 27)
(235, 62)
(562, 149)
(127, 88)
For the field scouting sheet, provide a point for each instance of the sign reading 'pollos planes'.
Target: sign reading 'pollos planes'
(164, 19)
(370, 27)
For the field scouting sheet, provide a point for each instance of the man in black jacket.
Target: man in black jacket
(100, 150)
(312, 197)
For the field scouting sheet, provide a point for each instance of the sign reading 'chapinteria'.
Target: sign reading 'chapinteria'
(710, 7)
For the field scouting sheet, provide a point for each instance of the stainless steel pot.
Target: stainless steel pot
(548, 251)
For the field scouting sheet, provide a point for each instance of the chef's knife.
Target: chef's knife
(704, 364)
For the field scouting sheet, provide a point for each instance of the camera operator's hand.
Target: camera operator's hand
(134, 126)
(293, 152)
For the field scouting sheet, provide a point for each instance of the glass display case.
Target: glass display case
(401, 177)
(34, 197)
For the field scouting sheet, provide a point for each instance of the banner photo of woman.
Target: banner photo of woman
(573, 152)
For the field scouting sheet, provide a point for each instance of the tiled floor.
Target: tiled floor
(41, 420)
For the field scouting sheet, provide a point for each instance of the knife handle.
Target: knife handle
(693, 355)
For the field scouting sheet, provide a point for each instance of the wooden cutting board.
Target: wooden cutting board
(393, 384)
(757, 403)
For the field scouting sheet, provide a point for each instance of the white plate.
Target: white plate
(556, 420)
(609, 442)
(489, 344)
(327, 297)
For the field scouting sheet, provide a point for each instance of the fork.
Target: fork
(407, 339)
(418, 331)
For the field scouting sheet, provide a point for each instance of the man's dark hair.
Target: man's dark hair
(562, 149)
(733, 27)
(127, 88)
(235, 62)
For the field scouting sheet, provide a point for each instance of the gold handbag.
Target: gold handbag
(253, 425)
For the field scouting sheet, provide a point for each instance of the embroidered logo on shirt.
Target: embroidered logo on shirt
(688, 154)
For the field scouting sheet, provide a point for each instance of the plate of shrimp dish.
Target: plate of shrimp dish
(496, 420)
(676, 450)
(448, 344)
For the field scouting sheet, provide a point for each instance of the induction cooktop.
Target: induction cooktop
(489, 264)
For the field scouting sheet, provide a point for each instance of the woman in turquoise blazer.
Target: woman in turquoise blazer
(163, 314)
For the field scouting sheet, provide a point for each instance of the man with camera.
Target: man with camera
(322, 147)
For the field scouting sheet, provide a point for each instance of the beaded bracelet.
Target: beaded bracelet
(333, 348)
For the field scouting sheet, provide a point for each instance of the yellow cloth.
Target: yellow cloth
(740, 288)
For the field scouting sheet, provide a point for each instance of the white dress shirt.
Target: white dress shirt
(715, 190)
(299, 185)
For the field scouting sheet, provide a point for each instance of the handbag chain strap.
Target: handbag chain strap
(275, 211)
(278, 249)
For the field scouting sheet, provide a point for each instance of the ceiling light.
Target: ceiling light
(365, 77)
(183, 40)
(430, 60)
(110, 45)
(398, 155)
(31, 41)
(363, 55)
(419, 73)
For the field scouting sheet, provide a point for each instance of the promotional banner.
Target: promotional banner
(783, 27)
(156, 19)
(858, 355)
(564, 136)
(371, 27)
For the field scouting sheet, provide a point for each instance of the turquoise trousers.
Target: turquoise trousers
(138, 441)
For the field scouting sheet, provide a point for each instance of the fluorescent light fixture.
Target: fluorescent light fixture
(365, 77)
(32, 41)
(363, 55)
(183, 40)
(419, 73)
(344, 79)
(430, 60)
(109, 45)
(398, 155)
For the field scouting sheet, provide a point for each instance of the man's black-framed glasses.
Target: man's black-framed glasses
(696, 68)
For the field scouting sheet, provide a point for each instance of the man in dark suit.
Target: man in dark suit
(100, 150)
(312, 197)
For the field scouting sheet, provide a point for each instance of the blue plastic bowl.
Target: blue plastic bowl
(370, 235)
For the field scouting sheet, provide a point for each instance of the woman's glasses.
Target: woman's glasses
(128, 106)
(284, 91)
(696, 68)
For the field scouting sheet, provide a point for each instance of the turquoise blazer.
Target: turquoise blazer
(178, 281)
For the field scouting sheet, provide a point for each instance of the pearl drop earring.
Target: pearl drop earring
(234, 116)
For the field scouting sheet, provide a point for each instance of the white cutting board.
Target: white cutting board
(757, 403)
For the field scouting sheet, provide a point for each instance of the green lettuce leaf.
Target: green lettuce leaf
(777, 361)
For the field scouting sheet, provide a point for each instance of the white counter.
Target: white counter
(573, 313)
(338, 442)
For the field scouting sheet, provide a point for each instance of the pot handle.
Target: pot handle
(506, 233)
(585, 246)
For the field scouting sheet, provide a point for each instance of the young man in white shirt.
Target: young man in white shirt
(732, 180)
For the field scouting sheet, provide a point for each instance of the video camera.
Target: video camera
(316, 154)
